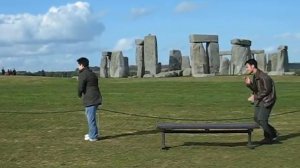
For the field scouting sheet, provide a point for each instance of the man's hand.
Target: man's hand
(251, 98)
(247, 80)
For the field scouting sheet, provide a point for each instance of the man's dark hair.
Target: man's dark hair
(83, 61)
(252, 62)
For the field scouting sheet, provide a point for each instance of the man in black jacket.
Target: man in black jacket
(89, 91)
(263, 97)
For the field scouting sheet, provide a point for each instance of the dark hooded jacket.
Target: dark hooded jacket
(88, 88)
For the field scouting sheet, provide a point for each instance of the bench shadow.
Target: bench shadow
(255, 144)
(226, 144)
(142, 132)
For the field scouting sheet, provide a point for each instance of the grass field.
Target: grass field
(42, 123)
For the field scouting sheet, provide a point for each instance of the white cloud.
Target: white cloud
(124, 44)
(70, 23)
(186, 6)
(139, 12)
(65, 30)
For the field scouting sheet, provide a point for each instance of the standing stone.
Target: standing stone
(208, 61)
(241, 52)
(150, 54)
(104, 66)
(282, 59)
(175, 60)
(261, 61)
(140, 58)
(199, 59)
(185, 62)
(214, 58)
(126, 66)
(158, 67)
(224, 67)
(274, 61)
(269, 62)
(117, 68)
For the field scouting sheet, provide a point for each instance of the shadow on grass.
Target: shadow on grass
(288, 136)
(256, 144)
(142, 132)
(227, 144)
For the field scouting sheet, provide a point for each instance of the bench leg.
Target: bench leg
(249, 141)
(163, 140)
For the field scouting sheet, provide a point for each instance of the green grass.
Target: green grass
(42, 123)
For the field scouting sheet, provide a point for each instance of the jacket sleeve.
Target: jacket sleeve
(81, 85)
(266, 90)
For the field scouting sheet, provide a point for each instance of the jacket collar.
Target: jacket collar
(85, 68)
(258, 74)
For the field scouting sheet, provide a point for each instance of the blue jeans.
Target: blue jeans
(90, 112)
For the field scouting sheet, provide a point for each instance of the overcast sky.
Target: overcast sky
(52, 34)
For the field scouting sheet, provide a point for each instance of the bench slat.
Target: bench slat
(168, 126)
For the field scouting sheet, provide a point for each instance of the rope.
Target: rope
(144, 116)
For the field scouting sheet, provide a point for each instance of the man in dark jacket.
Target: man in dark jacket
(89, 91)
(263, 97)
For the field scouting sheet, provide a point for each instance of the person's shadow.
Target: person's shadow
(141, 132)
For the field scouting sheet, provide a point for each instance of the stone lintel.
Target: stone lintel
(201, 38)
(257, 51)
(243, 42)
(225, 53)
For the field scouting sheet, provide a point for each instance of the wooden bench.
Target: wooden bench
(206, 128)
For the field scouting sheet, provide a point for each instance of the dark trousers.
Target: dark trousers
(261, 117)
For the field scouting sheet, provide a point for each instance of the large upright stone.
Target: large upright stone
(126, 66)
(158, 68)
(282, 59)
(104, 66)
(224, 67)
(175, 60)
(185, 62)
(214, 58)
(140, 57)
(201, 38)
(199, 59)
(274, 59)
(241, 52)
(150, 54)
(261, 61)
(117, 65)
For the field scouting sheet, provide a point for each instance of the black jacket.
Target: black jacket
(88, 88)
(263, 88)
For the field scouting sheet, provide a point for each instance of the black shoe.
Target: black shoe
(276, 138)
(265, 141)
